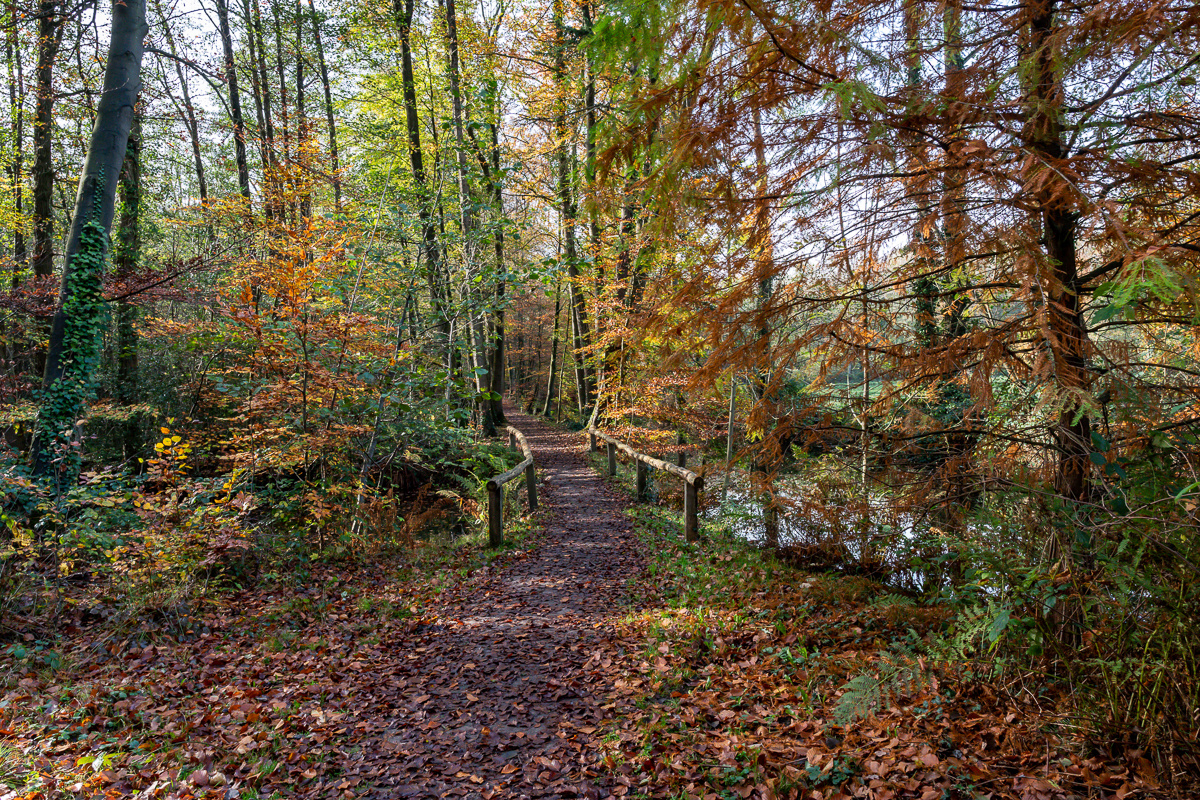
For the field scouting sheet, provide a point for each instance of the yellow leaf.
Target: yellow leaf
(165, 430)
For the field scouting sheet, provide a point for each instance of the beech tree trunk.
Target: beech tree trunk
(50, 32)
(96, 198)
(301, 111)
(553, 349)
(496, 373)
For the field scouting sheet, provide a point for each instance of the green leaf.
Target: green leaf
(999, 623)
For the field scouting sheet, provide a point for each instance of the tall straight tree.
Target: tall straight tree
(235, 100)
(469, 220)
(429, 249)
(50, 33)
(16, 106)
(330, 120)
(187, 110)
(584, 377)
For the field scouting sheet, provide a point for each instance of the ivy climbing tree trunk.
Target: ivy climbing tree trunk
(74, 334)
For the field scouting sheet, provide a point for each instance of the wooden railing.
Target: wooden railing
(693, 482)
(495, 488)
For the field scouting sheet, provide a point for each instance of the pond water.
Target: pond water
(868, 537)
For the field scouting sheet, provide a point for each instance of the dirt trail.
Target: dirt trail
(497, 700)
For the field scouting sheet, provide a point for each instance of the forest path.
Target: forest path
(496, 699)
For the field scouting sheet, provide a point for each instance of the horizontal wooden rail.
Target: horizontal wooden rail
(693, 482)
(495, 487)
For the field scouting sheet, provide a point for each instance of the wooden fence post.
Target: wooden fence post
(641, 479)
(612, 459)
(691, 498)
(512, 440)
(592, 442)
(531, 485)
(495, 514)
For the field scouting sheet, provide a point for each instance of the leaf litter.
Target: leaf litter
(600, 662)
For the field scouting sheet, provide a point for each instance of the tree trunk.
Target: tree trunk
(496, 373)
(189, 110)
(16, 105)
(1067, 336)
(50, 31)
(430, 250)
(235, 102)
(553, 348)
(256, 91)
(475, 328)
(287, 198)
(323, 66)
(567, 212)
(270, 160)
(589, 101)
(301, 113)
(71, 360)
(127, 250)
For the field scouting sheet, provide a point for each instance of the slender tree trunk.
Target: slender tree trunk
(127, 251)
(287, 195)
(920, 188)
(430, 250)
(496, 373)
(323, 67)
(188, 110)
(954, 203)
(466, 208)
(302, 132)
(16, 106)
(589, 100)
(553, 348)
(235, 101)
(256, 90)
(567, 211)
(50, 31)
(126, 255)
(270, 158)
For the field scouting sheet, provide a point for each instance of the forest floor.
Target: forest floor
(481, 680)
(597, 656)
